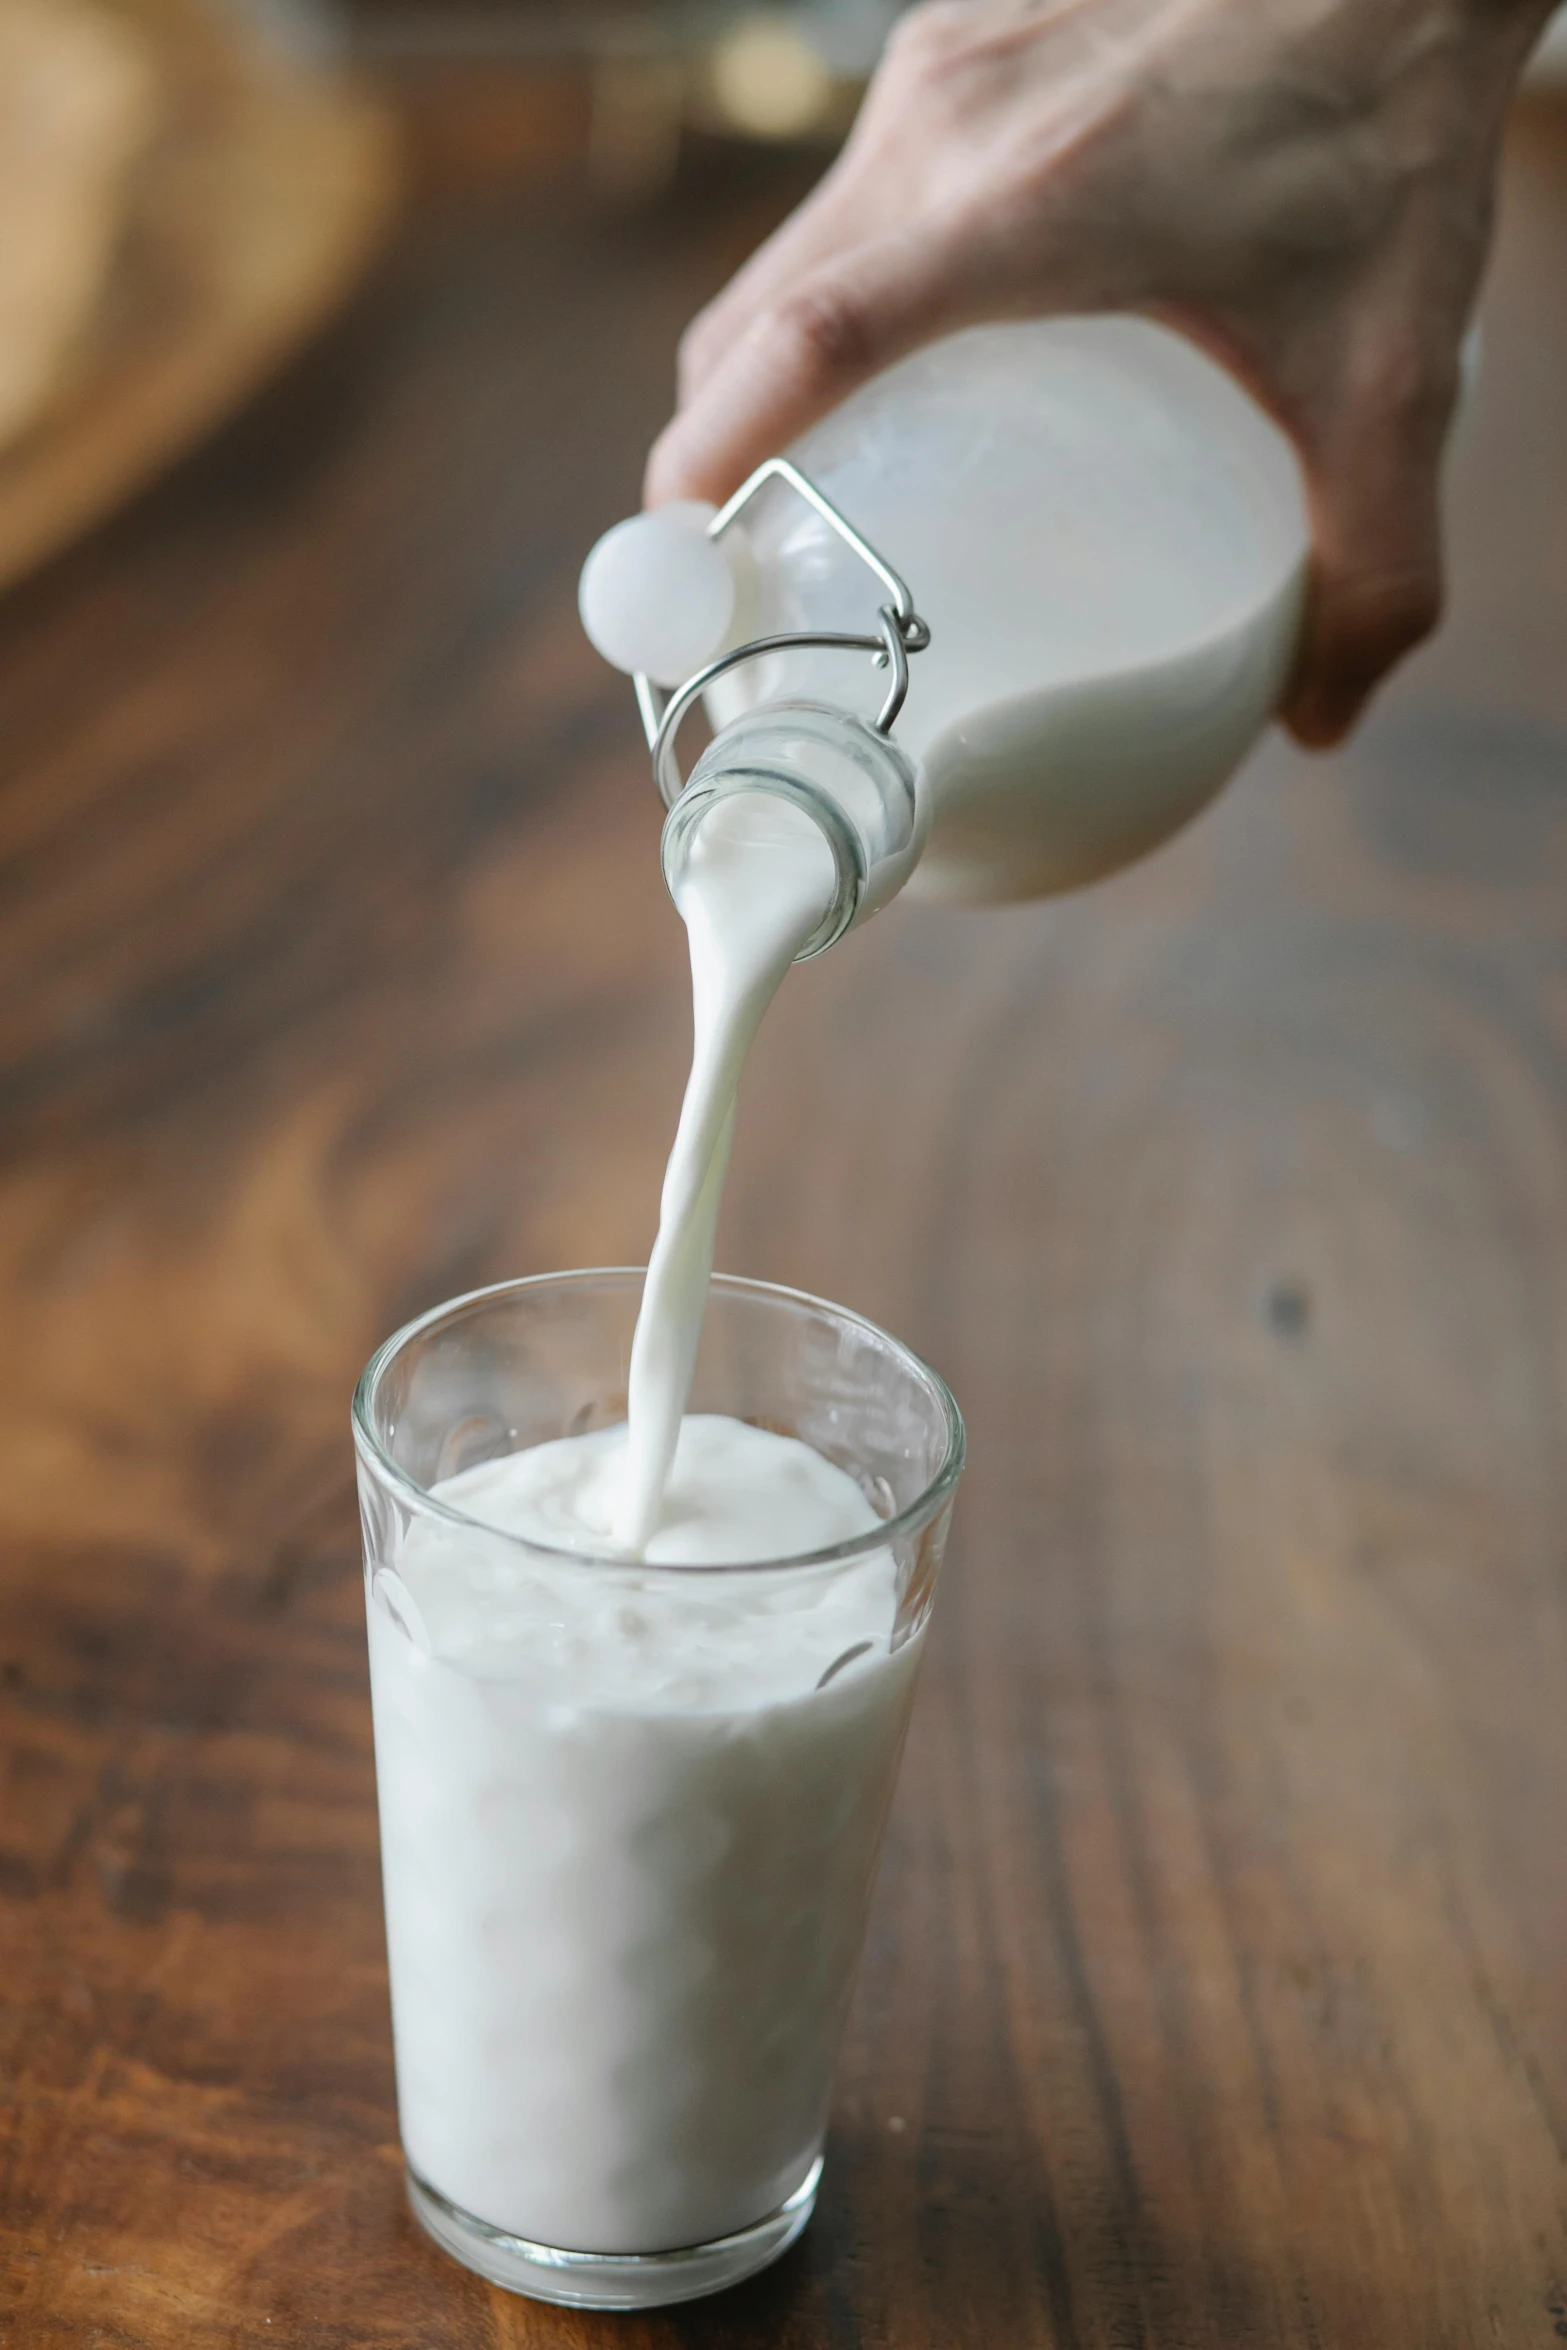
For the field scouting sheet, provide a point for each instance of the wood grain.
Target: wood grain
(1215, 1991)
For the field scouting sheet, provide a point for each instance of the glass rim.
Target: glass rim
(925, 1506)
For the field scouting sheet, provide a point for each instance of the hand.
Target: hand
(1302, 186)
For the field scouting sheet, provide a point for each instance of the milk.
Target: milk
(628, 1836)
(754, 887)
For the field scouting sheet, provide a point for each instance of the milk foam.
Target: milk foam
(613, 1633)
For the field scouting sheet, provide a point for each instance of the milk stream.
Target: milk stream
(756, 885)
(627, 1834)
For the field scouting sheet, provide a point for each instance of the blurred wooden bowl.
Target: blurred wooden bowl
(266, 190)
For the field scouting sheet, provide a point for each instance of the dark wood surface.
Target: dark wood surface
(1215, 1993)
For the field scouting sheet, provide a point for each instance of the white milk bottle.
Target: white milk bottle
(1107, 541)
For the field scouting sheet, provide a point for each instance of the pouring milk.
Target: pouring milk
(756, 885)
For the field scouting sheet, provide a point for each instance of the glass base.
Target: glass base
(609, 2280)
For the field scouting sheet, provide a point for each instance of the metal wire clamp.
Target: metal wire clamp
(902, 631)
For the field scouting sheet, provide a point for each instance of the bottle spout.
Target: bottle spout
(659, 595)
(637, 561)
(857, 787)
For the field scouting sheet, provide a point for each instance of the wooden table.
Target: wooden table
(1215, 1993)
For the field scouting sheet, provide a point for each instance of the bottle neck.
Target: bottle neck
(856, 786)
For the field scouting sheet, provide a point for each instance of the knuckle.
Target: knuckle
(826, 332)
(1410, 612)
(1383, 613)
(1418, 398)
(1367, 621)
(923, 41)
(1410, 389)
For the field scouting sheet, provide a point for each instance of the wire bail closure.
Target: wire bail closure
(902, 632)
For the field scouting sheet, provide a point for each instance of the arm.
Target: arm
(1303, 186)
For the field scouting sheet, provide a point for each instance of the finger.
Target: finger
(800, 356)
(1376, 576)
(831, 221)
(859, 200)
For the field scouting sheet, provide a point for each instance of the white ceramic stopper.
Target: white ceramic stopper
(657, 594)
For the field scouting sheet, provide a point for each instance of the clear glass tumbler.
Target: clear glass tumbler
(624, 1906)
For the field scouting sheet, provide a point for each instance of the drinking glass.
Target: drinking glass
(624, 1901)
